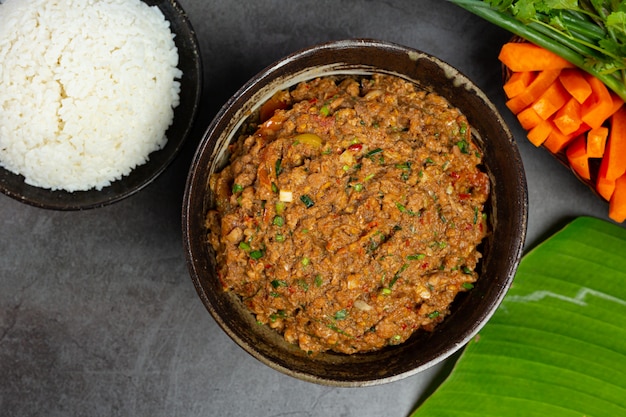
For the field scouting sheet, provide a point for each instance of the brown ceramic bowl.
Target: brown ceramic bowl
(502, 249)
(190, 63)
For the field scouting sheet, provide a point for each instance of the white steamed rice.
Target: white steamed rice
(87, 89)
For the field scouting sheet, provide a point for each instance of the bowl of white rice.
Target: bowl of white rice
(96, 97)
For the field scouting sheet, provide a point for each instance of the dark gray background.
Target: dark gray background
(98, 315)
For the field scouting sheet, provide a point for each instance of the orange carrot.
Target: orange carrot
(615, 152)
(567, 119)
(577, 156)
(551, 100)
(596, 141)
(528, 118)
(598, 106)
(538, 134)
(617, 203)
(518, 103)
(526, 56)
(535, 89)
(605, 187)
(575, 83)
(518, 82)
(617, 102)
(557, 141)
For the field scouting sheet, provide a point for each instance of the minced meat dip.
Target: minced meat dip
(351, 217)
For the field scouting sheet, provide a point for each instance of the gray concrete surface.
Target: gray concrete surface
(98, 315)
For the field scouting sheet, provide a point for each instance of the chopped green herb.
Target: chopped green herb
(279, 237)
(274, 187)
(318, 281)
(324, 111)
(280, 314)
(341, 315)
(278, 168)
(302, 284)
(278, 221)
(386, 291)
(467, 285)
(358, 187)
(416, 257)
(463, 128)
(280, 206)
(373, 152)
(403, 209)
(466, 270)
(256, 254)
(433, 315)
(397, 275)
(463, 146)
(244, 246)
(305, 261)
(337, 329)
(308, 202)
(237, 188)
(369, 177)
(278, 283)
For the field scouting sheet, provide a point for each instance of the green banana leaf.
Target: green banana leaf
(557, 344)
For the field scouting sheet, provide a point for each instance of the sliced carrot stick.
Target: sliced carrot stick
(538, 134)
(617, 102)
(596, 141)
(567, 118)
(577, 156)
(615, 152)
(528, 118)
(526, 56)
(518, 82)
(535, 89)
(575, 83)
(604, 186)
(557, 141)
(551, 100)
(518, 103)
(617, 203)
(599, 105)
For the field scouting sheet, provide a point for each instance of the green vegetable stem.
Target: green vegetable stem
(590, 34)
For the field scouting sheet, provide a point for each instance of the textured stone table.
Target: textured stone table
(98, 315)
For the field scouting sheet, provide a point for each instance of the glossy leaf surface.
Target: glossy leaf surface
(557, 344)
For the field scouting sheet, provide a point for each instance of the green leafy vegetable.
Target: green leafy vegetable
(557, 344)
(590, 34)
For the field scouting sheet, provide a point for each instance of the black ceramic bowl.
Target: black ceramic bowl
(190, 63)
(502, 249)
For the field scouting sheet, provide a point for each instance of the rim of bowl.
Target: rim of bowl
(185, 114)
(355, 370)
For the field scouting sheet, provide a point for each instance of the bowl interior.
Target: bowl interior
(184, 115)
(508, 216)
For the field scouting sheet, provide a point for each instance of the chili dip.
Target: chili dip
(352, 215)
